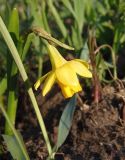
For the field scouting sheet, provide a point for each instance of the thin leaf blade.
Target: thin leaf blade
(13, 147)
(14, 23)
(66, 121)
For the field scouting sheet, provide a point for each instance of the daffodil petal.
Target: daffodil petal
(66, 75)
(48, 83)
(56, 58)
(40, 80)
(77, 88)
(83, 62)
(80, 68)
(66, 91)
(69, 91)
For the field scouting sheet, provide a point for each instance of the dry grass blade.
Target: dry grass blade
(42, 33)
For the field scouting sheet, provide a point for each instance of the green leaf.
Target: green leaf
(17, 135)
(79, 12)
(57, 18)
(85, 52)
(68, 5)
(14, 147)
(3, 85)
(13, 26)
(35, 12)
(66, 121)
(101, 8)
(12, 98)
(44, 16)
(76, 38)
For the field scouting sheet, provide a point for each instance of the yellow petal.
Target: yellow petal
(69, 91)
(83, 62)
(40, 80)
(56, 59)
(48, 83)
(66, 91)
(77, 88)
(80, 68)
(66, 76)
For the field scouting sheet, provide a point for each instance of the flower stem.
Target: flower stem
(96, 82)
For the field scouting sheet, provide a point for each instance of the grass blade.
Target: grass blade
(3, 85)
(69, 6)
(13, 147)
(79, 12)
(57, 18)
(13, 28)
(15, 133)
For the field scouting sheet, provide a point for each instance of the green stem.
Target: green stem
(20, 66)
(14, 132)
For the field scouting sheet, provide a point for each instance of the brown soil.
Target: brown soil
(97, 132)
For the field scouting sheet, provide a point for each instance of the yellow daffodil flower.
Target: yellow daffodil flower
(64, 73)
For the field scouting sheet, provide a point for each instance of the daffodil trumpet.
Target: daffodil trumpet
(64, 73)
